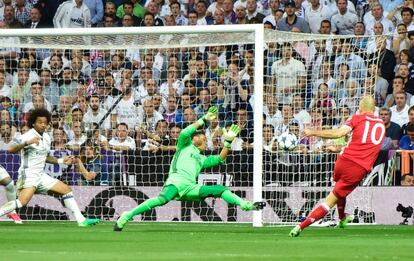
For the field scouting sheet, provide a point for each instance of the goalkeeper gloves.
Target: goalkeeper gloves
(209, 116)
(230, 135)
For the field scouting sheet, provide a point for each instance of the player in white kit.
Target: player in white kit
(8, 184)
(34, 147)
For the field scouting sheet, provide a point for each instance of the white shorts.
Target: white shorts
(41, 181)
(3, 173)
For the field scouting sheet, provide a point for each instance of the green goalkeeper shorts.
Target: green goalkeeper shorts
(198, 193)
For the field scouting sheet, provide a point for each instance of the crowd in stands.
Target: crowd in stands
(129, 100)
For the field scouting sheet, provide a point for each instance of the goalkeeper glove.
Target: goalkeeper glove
(230, 135)
(209, 116)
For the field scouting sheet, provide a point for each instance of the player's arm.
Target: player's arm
(19, 144)
(328, 134)
(68, 160)
(185, 135)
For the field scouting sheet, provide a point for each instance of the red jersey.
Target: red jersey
(366, 139)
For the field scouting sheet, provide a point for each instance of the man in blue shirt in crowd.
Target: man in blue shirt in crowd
(407, 141)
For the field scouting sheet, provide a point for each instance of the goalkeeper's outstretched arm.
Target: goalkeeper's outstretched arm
(185, 136)
(228, 136)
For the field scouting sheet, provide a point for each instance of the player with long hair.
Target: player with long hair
(34, 148)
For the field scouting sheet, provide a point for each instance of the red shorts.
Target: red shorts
(347, 175)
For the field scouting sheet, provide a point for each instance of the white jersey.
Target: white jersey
(130, 142)
(33, 157)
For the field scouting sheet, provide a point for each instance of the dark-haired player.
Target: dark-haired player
(186, 165)
(34, 147)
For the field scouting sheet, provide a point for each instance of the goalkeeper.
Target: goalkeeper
(185, 168)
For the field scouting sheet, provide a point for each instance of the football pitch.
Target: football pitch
(184, 241)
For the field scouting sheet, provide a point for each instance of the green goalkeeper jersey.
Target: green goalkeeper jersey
(188, 162)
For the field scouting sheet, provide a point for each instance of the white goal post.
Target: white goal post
(291, 182)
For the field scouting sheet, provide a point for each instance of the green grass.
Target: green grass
(184, 241)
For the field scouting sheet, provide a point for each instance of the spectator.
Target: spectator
(79, 138)
(269, 138)
(89, 164)
(96, 9)
(35, 20)
(407, 141)
(148, 116)
(299, 113)
(229, 13)
(399, 112)
(72, 14)
(344, 21)
(122, 142)
(288, 75)
(10, 19)
(315, 13)
(378, 15)
(176, 13)
(272, 112)
(170, 114)
(153, 8)
(158, 138)
(5, 90)
(273, 17)
(410, 120)
(397, 86)
(173, 85)
(96, 114)
(387, 59)
(246, 126)
(393, 130)
(6, 135)
(323, 101)
(59, 139)
(133, 8)
(401, 41)
(241, 15)
(292, 20)
(356, 63)
(253, 16)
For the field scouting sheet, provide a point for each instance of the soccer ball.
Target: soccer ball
(287, 141)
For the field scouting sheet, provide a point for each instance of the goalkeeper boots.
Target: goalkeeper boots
(121, 222)
(89, 222)
(344, 222)
(295, 231)
(248, 206)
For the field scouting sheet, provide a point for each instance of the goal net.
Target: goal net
(120, 97)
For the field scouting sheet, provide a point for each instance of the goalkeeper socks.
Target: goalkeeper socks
(10, 191)
(10, 207)
(340, 205)
(71, 204)
(232, 198)
(315, 215)
(145, 206)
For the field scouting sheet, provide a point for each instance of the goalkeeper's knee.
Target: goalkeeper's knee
(162, 200)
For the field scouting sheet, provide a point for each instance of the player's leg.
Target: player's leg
(25, 195)
(10, 190)
(219, 191)
(57, 186)
(167, 194)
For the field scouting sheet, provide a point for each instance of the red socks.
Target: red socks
(315, 215)
(340, 205)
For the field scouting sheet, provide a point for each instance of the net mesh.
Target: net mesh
(118, 102)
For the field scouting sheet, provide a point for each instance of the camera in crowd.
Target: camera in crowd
(406, 213)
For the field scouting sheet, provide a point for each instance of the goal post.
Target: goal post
(143, 39)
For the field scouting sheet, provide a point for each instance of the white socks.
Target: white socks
(10, 207)
(71, 204)
(10, 191)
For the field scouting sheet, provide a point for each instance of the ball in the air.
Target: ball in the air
(287, 141)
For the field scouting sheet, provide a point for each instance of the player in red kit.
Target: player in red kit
(353, 163)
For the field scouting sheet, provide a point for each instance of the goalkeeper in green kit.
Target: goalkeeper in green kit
(186, 165)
